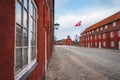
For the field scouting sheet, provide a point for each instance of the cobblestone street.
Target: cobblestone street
(78, 63)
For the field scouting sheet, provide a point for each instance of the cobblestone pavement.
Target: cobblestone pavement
(78, 63)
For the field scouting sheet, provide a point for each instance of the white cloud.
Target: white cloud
(88, 18)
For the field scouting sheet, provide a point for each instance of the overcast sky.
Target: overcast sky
(70, 12)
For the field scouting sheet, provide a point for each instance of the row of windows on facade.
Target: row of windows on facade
(26, 27)
(98, 29)
(96, 44)
(99, 36)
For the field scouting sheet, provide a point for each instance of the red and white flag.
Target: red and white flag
(78, 24)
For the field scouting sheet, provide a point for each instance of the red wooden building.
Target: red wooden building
(68, 41)
(26, 38)
(61, 42)
(104, 34)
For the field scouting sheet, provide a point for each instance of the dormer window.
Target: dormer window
(101, 28)
(97, 29)
(114, 24)
(106, 26)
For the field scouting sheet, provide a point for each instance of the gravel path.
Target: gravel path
(77, 63)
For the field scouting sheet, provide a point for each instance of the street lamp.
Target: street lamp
(56, 26)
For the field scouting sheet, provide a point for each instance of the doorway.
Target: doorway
(100, 45)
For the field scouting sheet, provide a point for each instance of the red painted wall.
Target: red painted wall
(7, 35)
(108, 40)
(43, 25)
(7, 39)
(68, 41)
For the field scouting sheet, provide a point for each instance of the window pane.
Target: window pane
(33, 53)
(25, 56)
(25, 3)
(34, 13)
(18, 59)
(33, 39)
(119, 33)
(18, 36)
(32, 9)
(34, 27)
(25, 19)
(18, 13)
(25, 31)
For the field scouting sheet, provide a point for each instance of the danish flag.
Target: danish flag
(78, 24)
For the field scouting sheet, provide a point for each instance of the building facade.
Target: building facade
(61, 42)
(26, 38)
(104, 34)
(68, 41)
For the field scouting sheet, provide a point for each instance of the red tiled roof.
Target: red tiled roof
(103, 22)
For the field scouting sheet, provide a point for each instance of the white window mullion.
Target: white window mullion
(29, 37)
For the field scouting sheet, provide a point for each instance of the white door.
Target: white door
(119, 45)
(99, 44)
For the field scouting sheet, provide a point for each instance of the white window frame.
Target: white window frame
(112, 34)
(104, 35)
(106, 26)
(99, 36)
(104, 44)
(18, 74)
(97, 29)
(91, 37)
(118, 33)
(112, 44)
(114, 23)
(101, 28)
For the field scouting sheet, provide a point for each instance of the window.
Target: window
(97, 29)
(106, 26)
(101, 28)
(24, 37)
(112, 43)
(112, 34)
(104, 44)
(114, 23)
(95, 43)
(91, 37)
(86, 38)
(99, 36)
(104, 36)
(95, 36)
(87, 32)
(118, 33)
(33, 31)
(92, 31)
